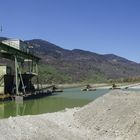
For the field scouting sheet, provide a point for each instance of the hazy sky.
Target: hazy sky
(101, 26)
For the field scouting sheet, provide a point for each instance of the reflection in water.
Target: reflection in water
(39, 106)
(68, 99)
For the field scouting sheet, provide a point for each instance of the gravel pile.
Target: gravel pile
(114, 116)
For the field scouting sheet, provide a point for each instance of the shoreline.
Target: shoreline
(114, 115)
(98, 86)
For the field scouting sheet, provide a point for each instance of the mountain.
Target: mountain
(62, 65)
(3, 38)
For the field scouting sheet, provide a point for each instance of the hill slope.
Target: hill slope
(61, 65)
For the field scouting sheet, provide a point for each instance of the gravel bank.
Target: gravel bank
(114, 116)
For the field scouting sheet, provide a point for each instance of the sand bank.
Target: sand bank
(114, 116)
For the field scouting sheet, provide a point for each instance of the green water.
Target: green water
(73, 97)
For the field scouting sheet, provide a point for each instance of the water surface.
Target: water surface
(70, 98)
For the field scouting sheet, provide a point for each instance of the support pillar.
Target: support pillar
(16, 76)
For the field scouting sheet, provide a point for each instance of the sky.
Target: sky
(100, 26)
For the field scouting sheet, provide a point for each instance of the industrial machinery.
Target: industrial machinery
(17, 80)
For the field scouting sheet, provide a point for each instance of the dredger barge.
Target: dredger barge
(18, 72)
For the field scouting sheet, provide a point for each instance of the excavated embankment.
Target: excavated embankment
(115, 115)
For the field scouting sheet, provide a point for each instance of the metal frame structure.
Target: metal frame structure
(18, 56)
